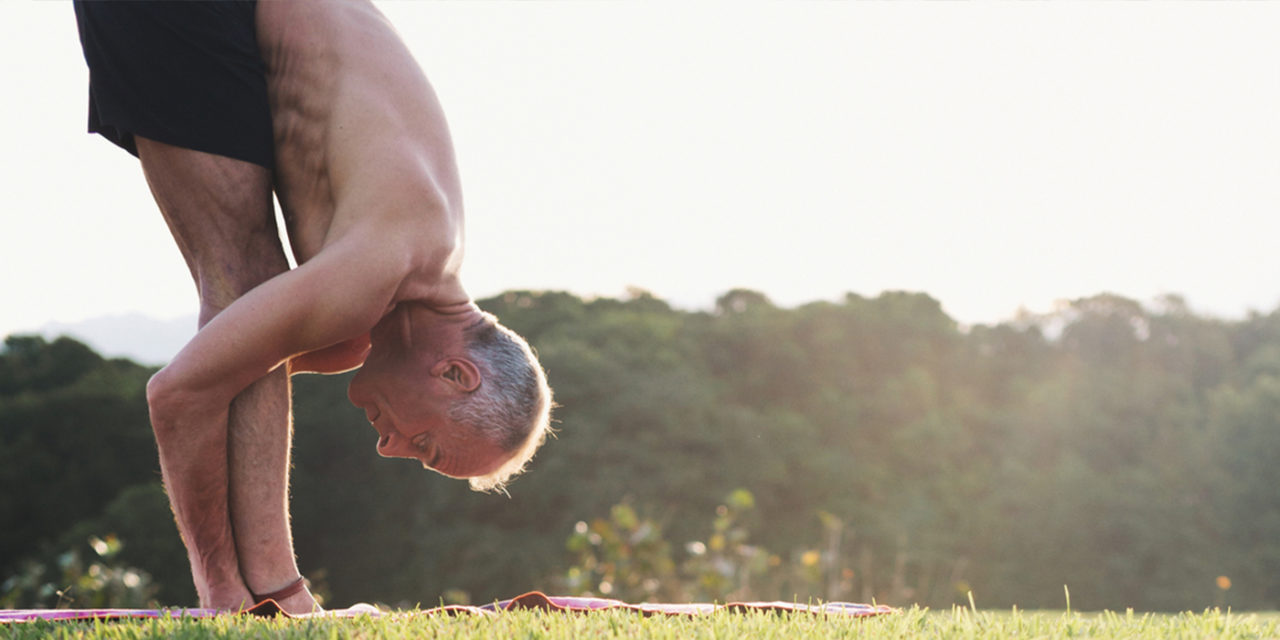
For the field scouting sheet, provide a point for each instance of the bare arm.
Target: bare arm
(325, 302)
(335, 297)
(196, 482)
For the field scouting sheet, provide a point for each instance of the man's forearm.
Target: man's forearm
(193, 461)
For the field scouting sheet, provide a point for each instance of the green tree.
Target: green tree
(74, 432)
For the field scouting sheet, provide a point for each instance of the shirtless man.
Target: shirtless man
(365, 173)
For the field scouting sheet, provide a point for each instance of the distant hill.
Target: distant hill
(141, 338)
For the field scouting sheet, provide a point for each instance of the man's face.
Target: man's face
(406, 397)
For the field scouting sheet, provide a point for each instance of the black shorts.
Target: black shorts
(188, 74)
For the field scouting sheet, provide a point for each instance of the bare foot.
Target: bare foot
(300, 602)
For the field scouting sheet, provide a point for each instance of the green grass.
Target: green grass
(910, 623)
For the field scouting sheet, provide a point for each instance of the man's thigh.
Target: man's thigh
(220, 213)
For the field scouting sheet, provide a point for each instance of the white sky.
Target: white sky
(991, 155)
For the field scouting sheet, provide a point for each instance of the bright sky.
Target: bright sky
(994, 156)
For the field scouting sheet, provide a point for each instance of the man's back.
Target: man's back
(358, 129)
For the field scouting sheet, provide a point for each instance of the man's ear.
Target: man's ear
(461, 373)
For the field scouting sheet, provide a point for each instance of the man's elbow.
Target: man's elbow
(160, 402)
(171, 403)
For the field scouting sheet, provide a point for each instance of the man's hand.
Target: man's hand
(232, 599)
(338, 358)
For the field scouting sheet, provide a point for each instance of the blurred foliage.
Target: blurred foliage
(726, 566)
(73, 435)
(71, 581)
(627, 556)
(1123, 449)
(624, 557)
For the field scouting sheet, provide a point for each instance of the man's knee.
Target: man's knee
(228, 270)
(221, 284)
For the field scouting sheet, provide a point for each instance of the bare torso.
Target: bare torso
(361, 140)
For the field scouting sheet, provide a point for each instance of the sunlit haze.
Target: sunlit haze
(994, 156)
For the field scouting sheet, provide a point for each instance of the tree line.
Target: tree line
(1125, 450)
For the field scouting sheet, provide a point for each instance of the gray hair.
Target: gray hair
(512, 406)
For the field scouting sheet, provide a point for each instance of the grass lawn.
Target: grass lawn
(910, 623)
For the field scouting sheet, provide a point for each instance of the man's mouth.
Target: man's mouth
(373, 413)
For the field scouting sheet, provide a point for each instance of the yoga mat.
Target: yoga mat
(532, 600)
